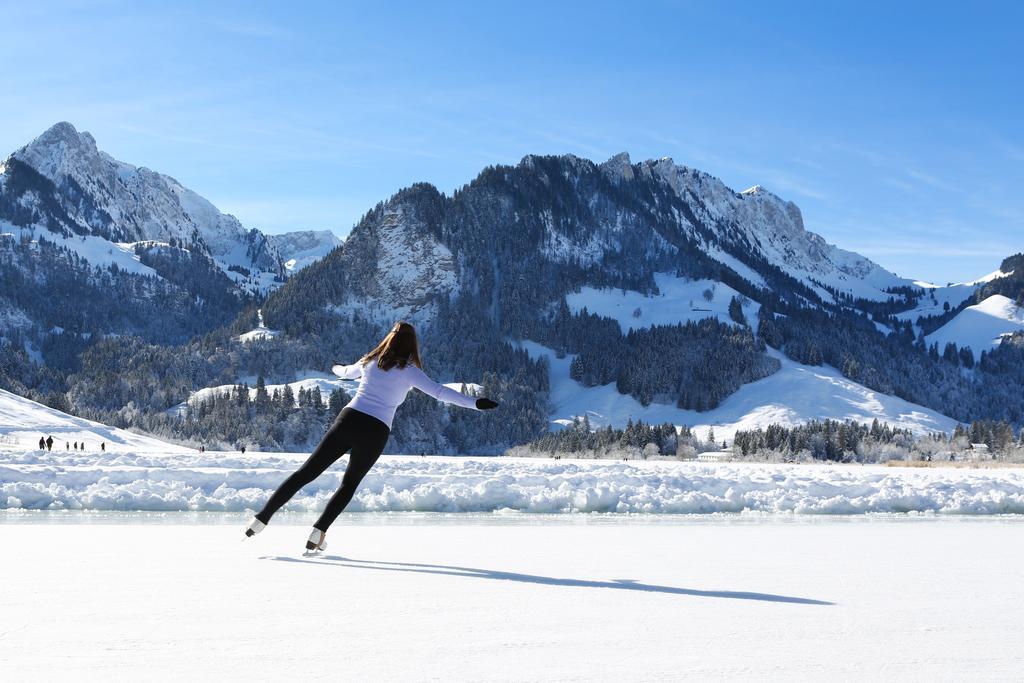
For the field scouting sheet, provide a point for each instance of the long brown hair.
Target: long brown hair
(399, 347)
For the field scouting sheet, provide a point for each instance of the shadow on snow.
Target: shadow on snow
(470, 572)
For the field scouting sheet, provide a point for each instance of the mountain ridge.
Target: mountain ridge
(546, 251)
(145, 255)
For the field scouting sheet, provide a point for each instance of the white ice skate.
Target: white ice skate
(316, 544)
(255, 526)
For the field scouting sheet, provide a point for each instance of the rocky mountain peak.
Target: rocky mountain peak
(61, 151)
(619, 167)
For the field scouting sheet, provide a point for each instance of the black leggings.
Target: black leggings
(364, 434)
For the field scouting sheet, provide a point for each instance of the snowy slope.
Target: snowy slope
(96, 250)
(793, 395)
(89, 192)
(22, 422)
(258, 333)
(758, 221)
(679, 301)
(982, 326)
(938, 299)
(311, 380)
(303, 247)
(261, 331)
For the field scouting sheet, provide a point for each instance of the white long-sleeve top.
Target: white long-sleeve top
(382, 391)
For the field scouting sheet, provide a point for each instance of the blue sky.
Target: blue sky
(897, 130)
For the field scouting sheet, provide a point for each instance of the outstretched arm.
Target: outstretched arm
(439, 391)
(354, 371)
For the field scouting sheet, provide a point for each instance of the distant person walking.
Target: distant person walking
(385, 374)
(42, 444)
(103, 446)
(49, 443)
(76, 445)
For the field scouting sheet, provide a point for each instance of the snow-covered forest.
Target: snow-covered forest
(826, 441)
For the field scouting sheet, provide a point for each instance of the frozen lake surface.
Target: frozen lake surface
(426, 596)
(132, 565)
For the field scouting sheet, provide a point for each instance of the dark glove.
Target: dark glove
(485, 404)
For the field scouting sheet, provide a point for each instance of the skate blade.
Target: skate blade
(314, 550)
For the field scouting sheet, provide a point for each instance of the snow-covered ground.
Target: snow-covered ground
(142, 473)
(982, 326)
(938, 298)
(261, 331)
(232, 482)
(23, 422)
(309, 381)
(679, 301)
(304, 247)
(96, 250)
(481, 598)
(793, 395)
(129, 565)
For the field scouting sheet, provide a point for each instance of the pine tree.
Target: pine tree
(262, 400)
(736, 311)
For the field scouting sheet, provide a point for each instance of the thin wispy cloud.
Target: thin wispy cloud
(929, 179)
(901, 185)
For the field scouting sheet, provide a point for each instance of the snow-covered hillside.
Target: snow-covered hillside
(981, 326)
(99, 252)
(301, 248)
(72, 193)
(937, 299)
(23, 422)
(678, 301)
(261, 331)
(793, 395)
(89, 192)
(768, 226)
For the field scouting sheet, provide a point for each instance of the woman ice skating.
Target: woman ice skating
(385, 374)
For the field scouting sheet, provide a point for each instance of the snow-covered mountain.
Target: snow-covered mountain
(585, 224)
(93, 245)
(301, 248)
(663, 286)
(656, 281)
(759, 222)
(61, 182)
